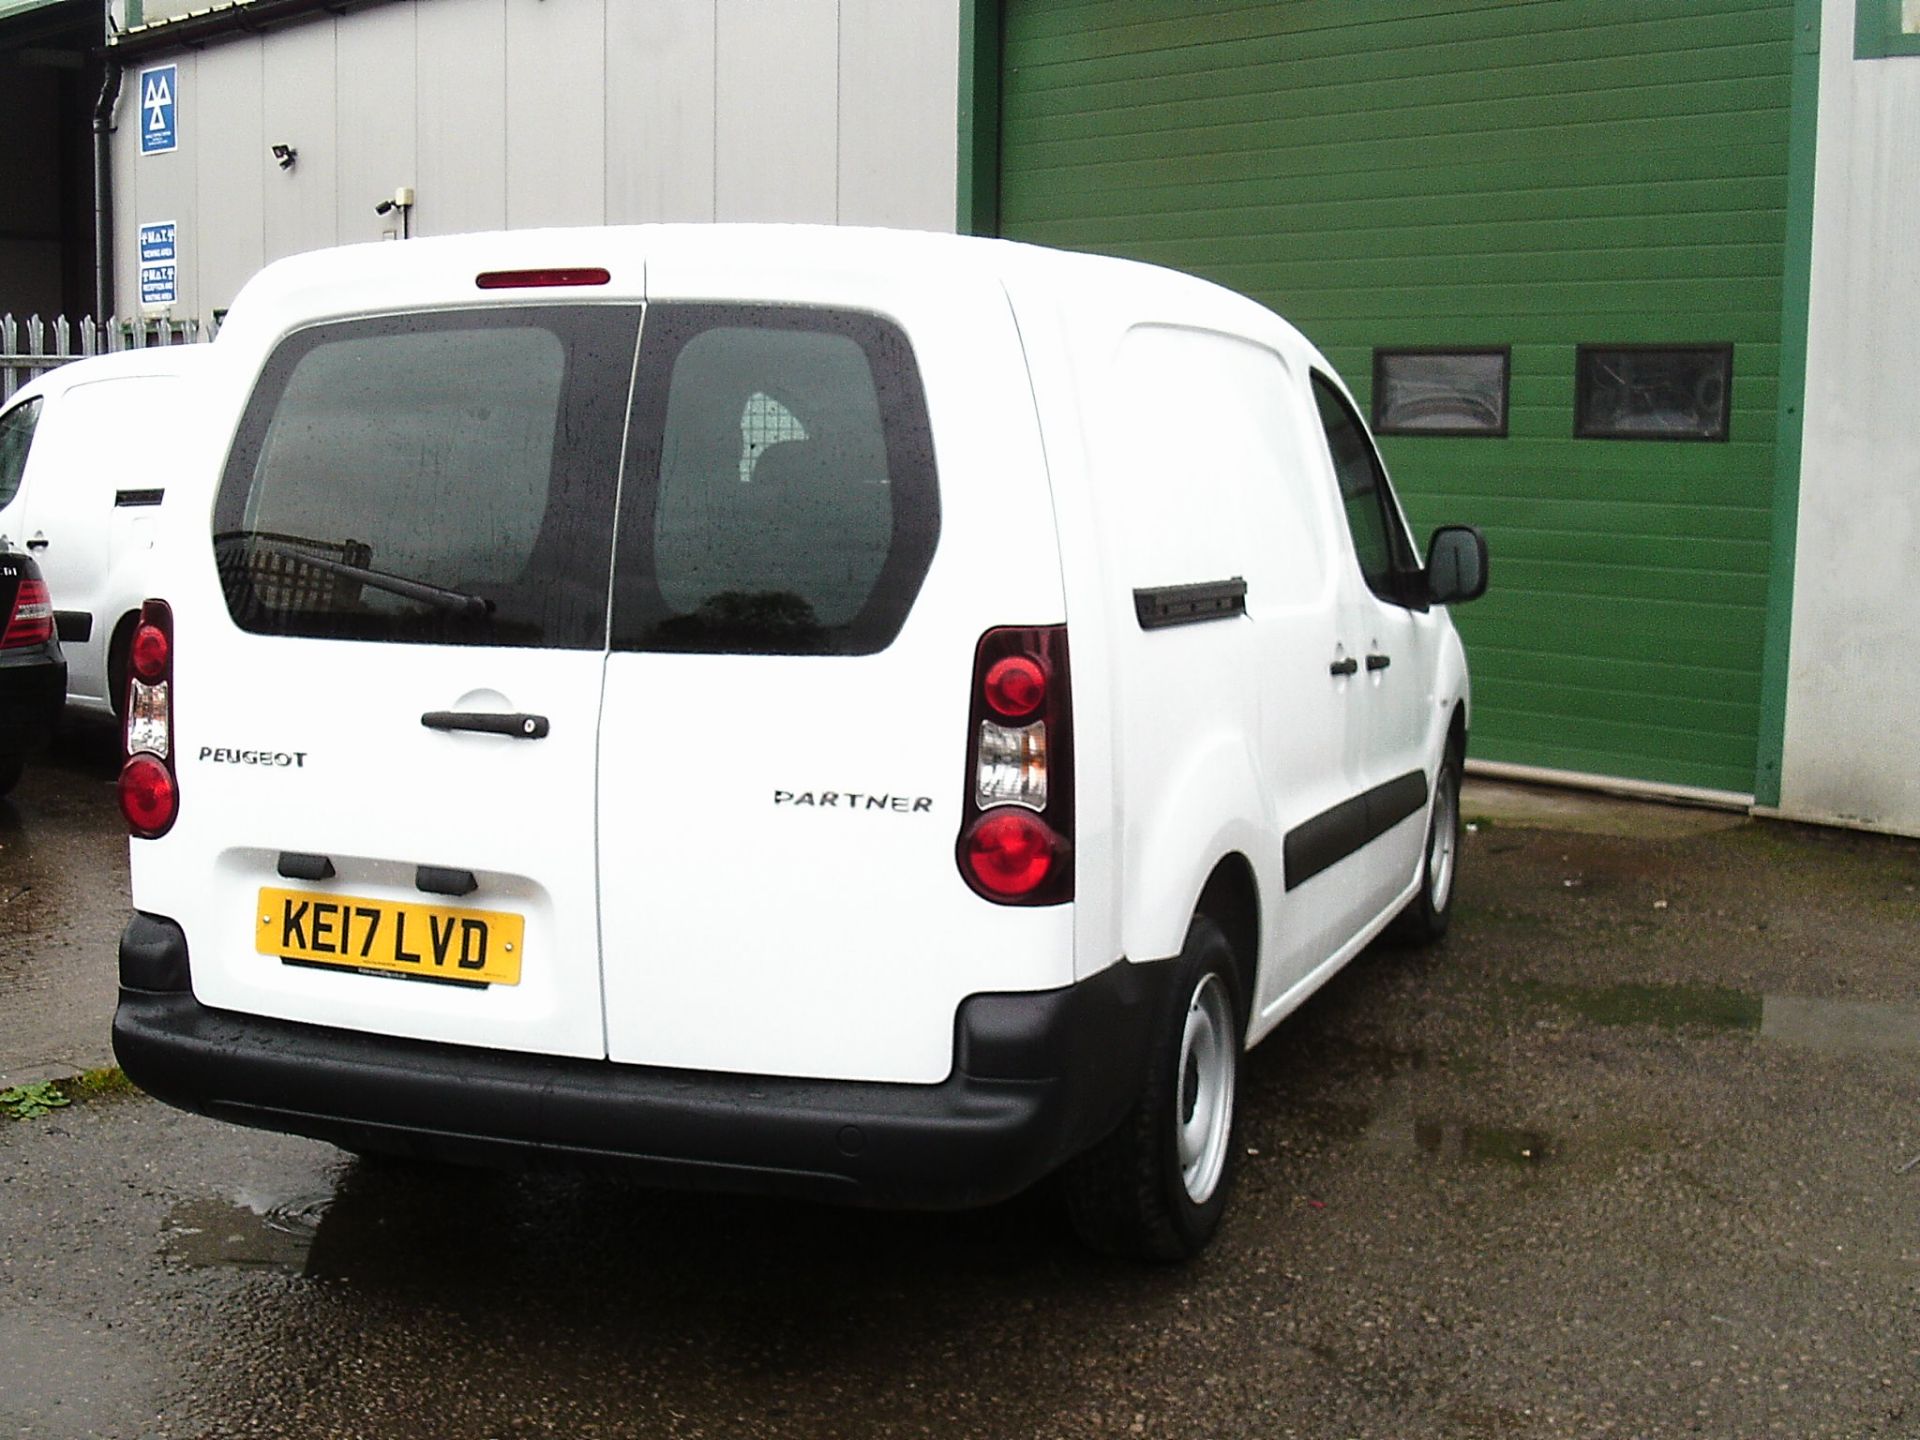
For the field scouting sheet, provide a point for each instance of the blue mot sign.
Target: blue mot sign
(159, 109)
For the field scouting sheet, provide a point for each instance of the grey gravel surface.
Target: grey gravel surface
(1622, 1157)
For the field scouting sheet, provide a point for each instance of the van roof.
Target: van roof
(444, 269)
(176, 359)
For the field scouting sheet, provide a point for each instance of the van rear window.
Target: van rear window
(437, 478)
(780, 495)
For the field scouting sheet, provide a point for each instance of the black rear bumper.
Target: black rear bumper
(1037, 1078)
(33, 691)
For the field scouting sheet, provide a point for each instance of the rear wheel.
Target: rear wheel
(1155, 1188)
(1426, 916)
(11, 767)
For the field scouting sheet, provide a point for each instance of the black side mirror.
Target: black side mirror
(1456, 565)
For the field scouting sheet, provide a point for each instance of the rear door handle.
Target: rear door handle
(38, 542)
(521, 727)
(1344, 667)
(1379, 662)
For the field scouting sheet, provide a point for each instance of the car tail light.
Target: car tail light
(31, 622)
(149, 782)
(1016, 833)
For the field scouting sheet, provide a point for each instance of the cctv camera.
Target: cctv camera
(383, 207)
(286, 155)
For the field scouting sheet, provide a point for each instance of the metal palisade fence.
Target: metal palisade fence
(33, 347)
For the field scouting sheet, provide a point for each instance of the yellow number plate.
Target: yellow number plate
(434, 942)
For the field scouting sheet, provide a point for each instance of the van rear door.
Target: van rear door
(386, 709)
(824, 506)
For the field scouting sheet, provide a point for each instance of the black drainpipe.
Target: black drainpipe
(103, 192)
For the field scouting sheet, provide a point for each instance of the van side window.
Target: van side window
(16, 437)
(438, 478)
(1378, 537)
(780, 493)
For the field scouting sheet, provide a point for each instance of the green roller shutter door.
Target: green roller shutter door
(1527, 173)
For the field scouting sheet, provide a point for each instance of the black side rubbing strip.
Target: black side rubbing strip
(439, 880)
(1332, 835)
(296, 866)
(138, 497)
(1164, 605)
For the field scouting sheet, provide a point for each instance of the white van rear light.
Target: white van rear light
(147, 796)
(1010, 852)
(540, 279)
(149, 657)
(1016, 833)
(149, 719)
(1012, 769)
(149, 785)
(1016, 686)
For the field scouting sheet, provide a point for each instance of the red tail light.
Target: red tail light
(1016, 832)
(147, 796)
(31, 622)
(150, 657)
(149, 782)
(540, 279)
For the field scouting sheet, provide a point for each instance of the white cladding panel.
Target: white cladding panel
(898, 98)
(660, 112)
(556, 112)
(301, 109)
(1853, 691)
(776, 73)
(525, 113)
(462, 118)
(376, 135)
(228, 89)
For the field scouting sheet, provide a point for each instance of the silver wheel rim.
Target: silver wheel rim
(1446, 832)
(1204, 1116)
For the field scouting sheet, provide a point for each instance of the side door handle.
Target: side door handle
(1344, 667)
(1378, 662)
(486, 722)
(39, 541)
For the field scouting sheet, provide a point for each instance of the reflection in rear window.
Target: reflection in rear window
(780, 489)
(439, 478)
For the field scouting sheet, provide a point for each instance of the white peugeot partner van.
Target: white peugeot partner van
(86, 454)
(879, 717)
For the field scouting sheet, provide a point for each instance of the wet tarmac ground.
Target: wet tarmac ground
(1635, 1152)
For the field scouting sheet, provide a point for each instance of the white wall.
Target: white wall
(1853, 690)
(543, 112)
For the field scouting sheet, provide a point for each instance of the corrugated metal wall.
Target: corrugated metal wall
(1533, 173)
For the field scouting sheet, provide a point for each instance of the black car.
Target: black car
(33, 672)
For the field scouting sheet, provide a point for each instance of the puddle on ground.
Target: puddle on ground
(248, 1234)
(1669, 1006)
(1837, 1026)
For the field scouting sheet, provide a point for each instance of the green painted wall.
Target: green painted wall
(1533, 173)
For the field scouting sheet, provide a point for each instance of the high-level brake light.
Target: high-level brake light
(541, 279)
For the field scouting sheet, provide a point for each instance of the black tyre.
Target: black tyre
(11, 767)
(1426, 916)
(1155, 1188)
(118, 663)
